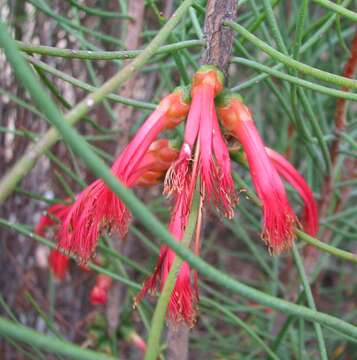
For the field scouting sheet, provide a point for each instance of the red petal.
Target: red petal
(287, 170)
(279, 218)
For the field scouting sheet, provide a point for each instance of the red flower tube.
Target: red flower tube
(97, 207)
(289, 173)
(278, 217)
(202, 130)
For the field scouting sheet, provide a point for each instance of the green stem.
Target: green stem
(341, 10)
(345, 255)
(85, 86)
(102, 55)
(158, 319)
(293, 79)
(294, 64)
(28, 160)
(310, 301)
(48, 343)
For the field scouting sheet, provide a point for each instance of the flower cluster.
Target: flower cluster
(202, 163)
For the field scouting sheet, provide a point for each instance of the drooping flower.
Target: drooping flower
(202, 130)
(99, 293)
(59, 264)
(291, 175)
(97, 207)
(279, 218)
(184, 296)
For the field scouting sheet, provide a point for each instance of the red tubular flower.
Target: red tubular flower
(182, 305)
(290, 174)
(202, 129)
(279, 218)
(99, 293)
(59, 264)
(97, 207)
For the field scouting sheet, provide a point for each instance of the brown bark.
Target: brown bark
(219, 38)
(177, 341)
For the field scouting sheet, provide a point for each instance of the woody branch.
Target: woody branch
(219, 38)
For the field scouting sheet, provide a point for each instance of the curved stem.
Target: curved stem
(294, 64)
(345, 255)
(102, 55)
(48, 343)
(341, 10)
(85, 86)
(292, 79)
